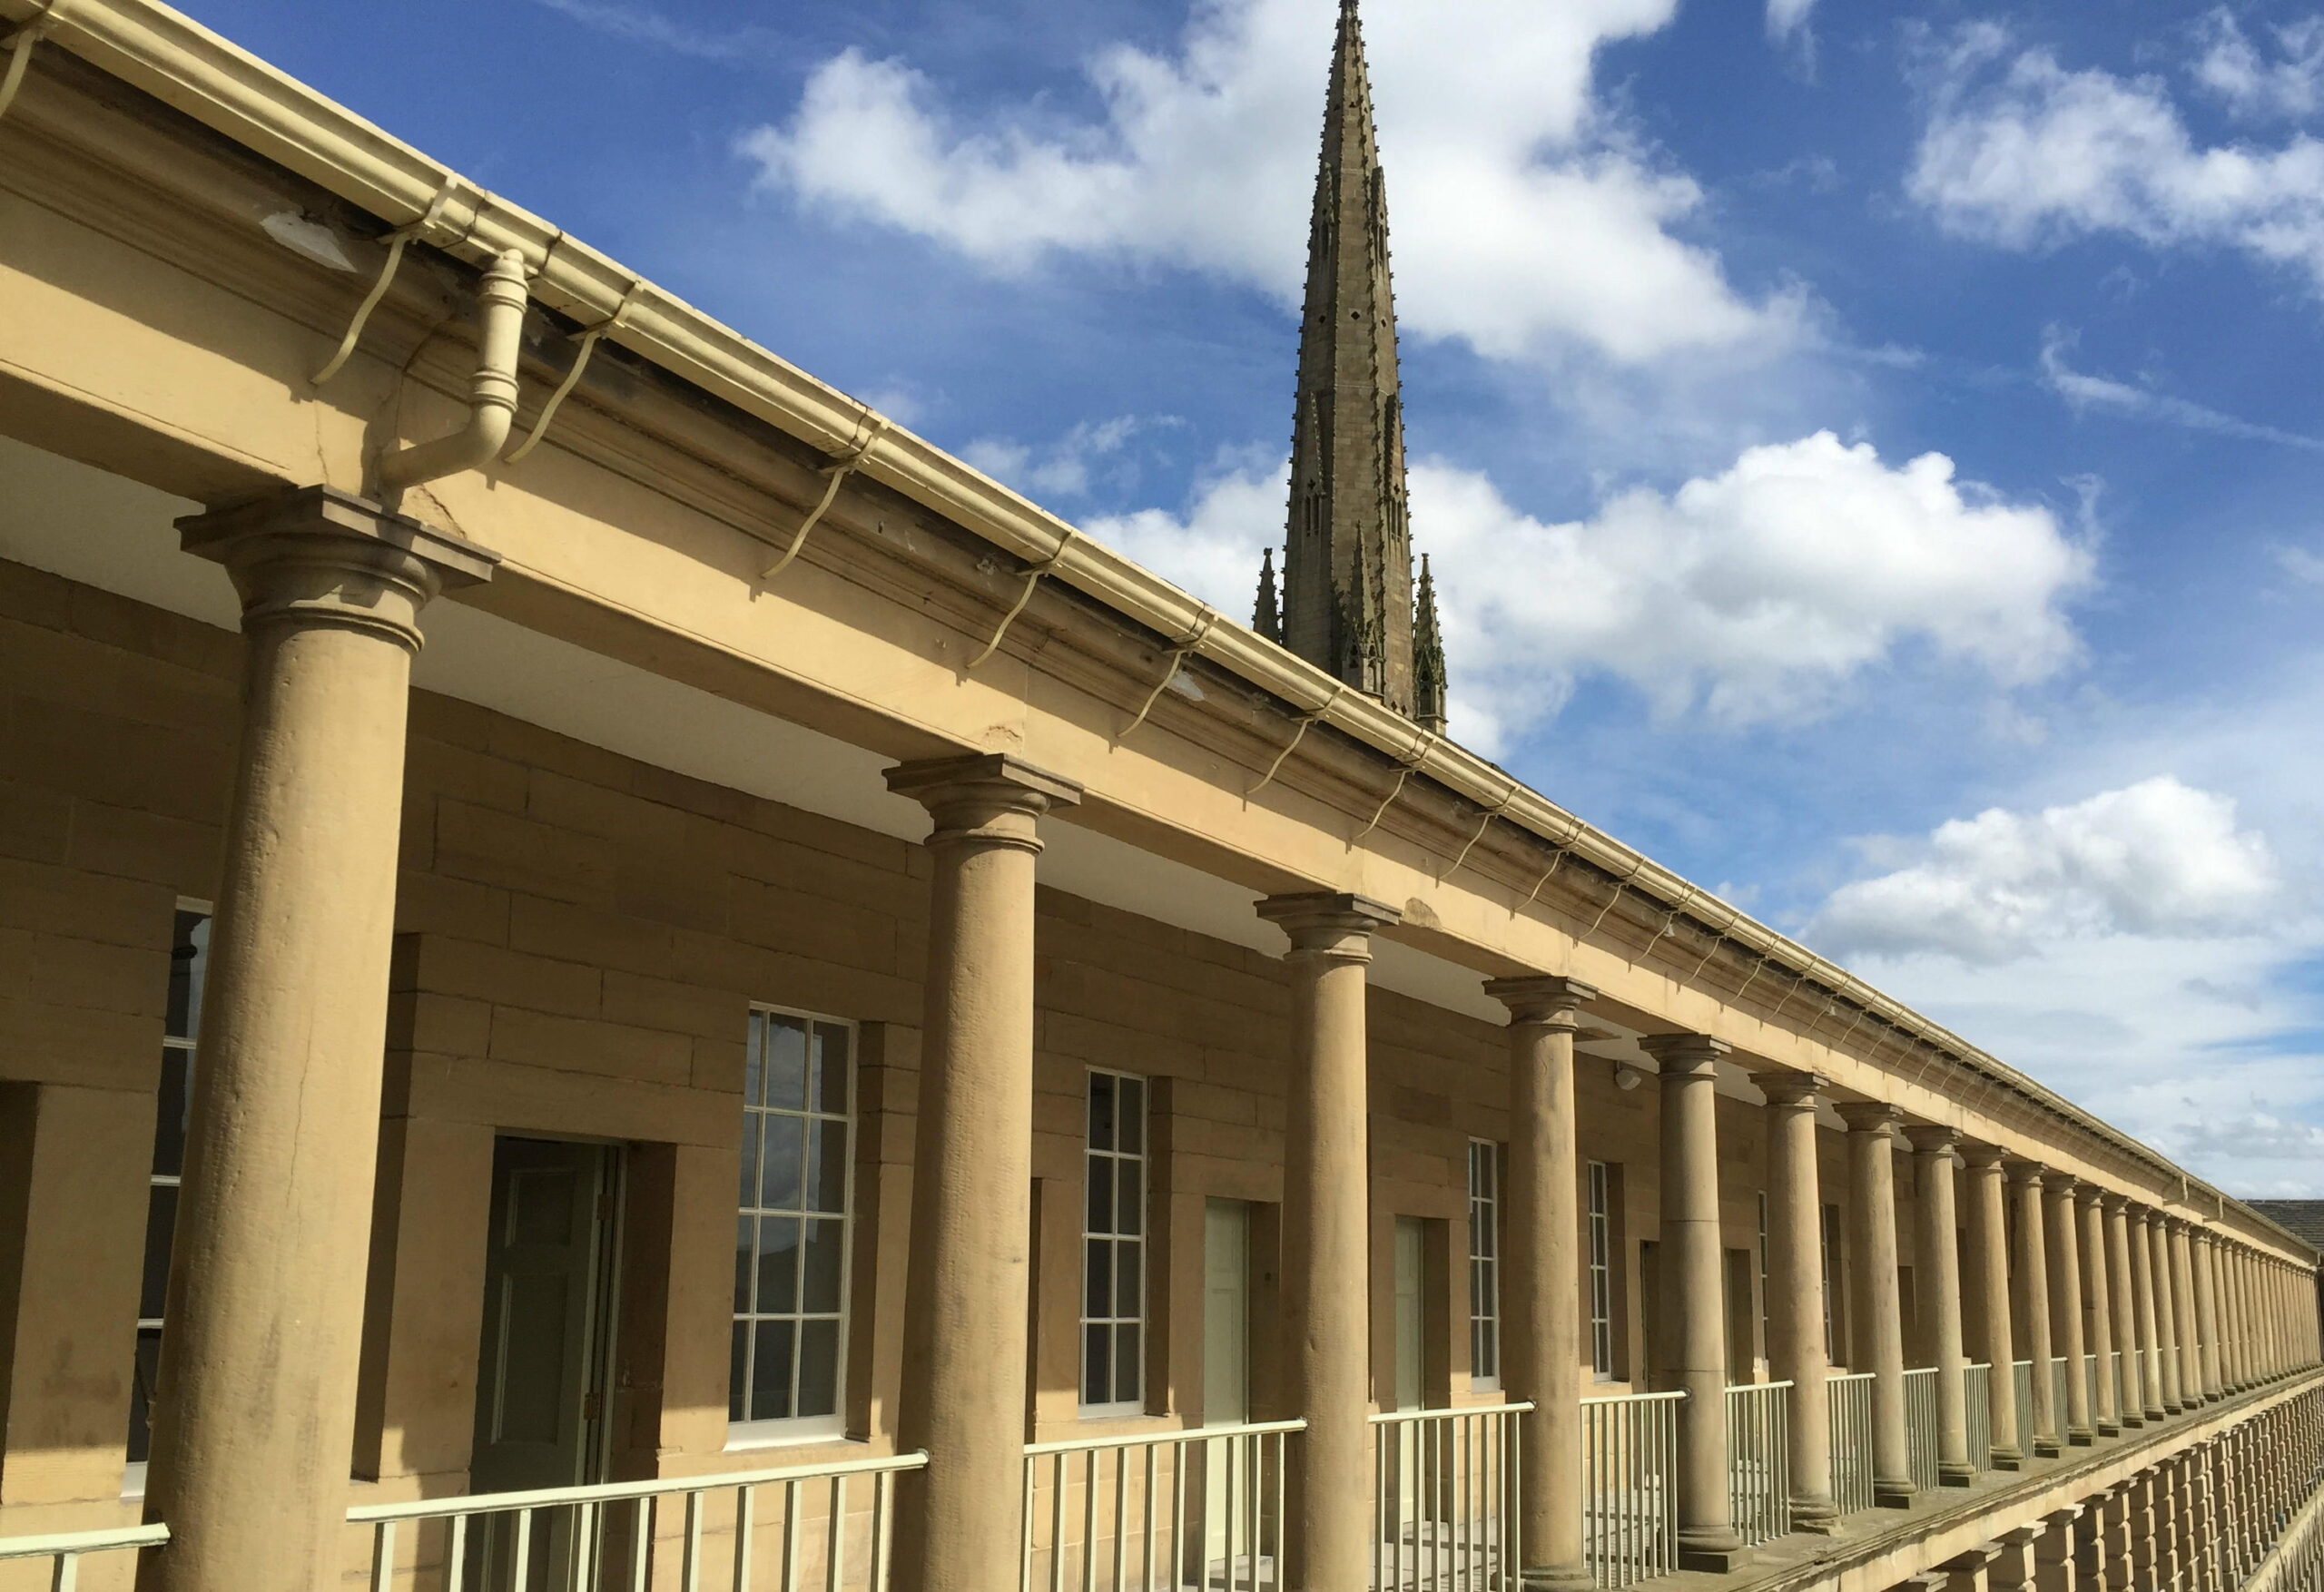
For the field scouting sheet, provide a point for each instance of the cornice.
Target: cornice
(178, 62)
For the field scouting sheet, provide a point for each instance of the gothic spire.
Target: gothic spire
(1347, 570)
(1267, 617)
(1428, 656)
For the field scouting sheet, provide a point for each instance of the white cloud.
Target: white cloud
(2290, 84)
(1786, 16)
(2021, 152)
(2084, 391)
(1757, 593)
(1526, 215)
(1062, 469)
(2157, 858)
(642, 25)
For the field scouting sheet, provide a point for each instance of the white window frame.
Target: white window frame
(133, 1477)
(747, 1433)
(1597, 1221)
(1117, 1408)
(1484, 1262)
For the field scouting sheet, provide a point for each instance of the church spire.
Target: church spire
(1266, 615)
(1428, 656)
(1347, 572)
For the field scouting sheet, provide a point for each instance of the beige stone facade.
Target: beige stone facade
(486, 855)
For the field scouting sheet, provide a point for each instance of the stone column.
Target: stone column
(1872, 1195)
(2150, 1342)
(1795, 1284)
(2065, 1306)
(1694, 1338)
(1541, 1285)
(2166, 1317)
(2098, 1300)
(962, 1398)
(2034, 1302)
(1936, 1276)
(2053, 1566)
(254, 1422)
(1989, 1268)
(2126, 1308)
(2214, 1385)
(2182, 1310)
(1326, 1218)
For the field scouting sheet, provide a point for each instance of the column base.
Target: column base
(2008, 1459)
(2155, 1412)
(2132, 1422)
(1555, 1579)
(1888, 1493)
(2110, 1428)
(2047, 1448)
(2082, 1438)
(1716, 1550)
(1819, 1515)
(1955, 1473)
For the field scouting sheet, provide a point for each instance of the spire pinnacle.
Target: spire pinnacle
(1428, 655)
(1266, 617)
(1347, 580)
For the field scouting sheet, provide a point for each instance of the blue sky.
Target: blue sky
(1871, 452)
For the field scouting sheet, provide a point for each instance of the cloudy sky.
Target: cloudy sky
(1871, 453)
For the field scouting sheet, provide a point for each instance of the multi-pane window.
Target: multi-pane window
(790, 1235)
(188, 960)
(1484, 1261)
(1835, 1321)
(1600, 1222)
(1113, 1247)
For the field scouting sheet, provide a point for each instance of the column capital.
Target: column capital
(2116, 1204)
(320, 556)
(1792, 1088)
(1330, 923)
(2092, 1196)
(1872, 1116)
(1931, 1138)
(2024, 1174)
(990, 797)
(2063, 1184)
(1980, 1156)
(1550, 999)
(1684, 1054)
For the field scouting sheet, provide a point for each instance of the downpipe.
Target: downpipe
(492, 389)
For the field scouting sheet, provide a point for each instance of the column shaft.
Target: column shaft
(1327, 1216)
(2034, 1302)
(254, 1426)
(1694, 1340)
(2183, 1310)
(2065, 1306)
(1796, 1279)
(2098, 1301)
(1989, 1266)
(2207, 1325)
(963, 1399)
(2166, 1318)
(2150, 1325)
(1872, 1156)
(1936, 1270)
(1542, 1340)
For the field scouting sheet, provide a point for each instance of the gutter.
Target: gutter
(169, 56)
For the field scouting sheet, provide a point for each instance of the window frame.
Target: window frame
(742, 1432)
(1485, 1265)
(1116, 1409)
(1598, 1228)
(1833, 1231)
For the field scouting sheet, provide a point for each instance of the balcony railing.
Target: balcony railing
(63, 1552)
(1630, 1487)
(1758, 1460)
(2023, 1370)
(1851, 1402)
(827, 1526)
(1200, 1506)
(1977, 1403)
(1445, 1495)
(1920, 1426)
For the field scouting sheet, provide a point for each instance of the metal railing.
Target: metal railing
(65, 1551)
(1851, 1402)
(1977, 1403)
(1630, 1487)
(1758, 1460)
(2114, 1367)
(780, 1530)
(1445, 1498)
(1200, 1505)
(2061, 1370)
(2022, 1371)
(1920, 1427)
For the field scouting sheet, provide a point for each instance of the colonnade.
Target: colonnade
(279, 1170)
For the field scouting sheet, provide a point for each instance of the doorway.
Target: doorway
(545, 1350)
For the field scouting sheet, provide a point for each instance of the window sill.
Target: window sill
(806, 1437)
